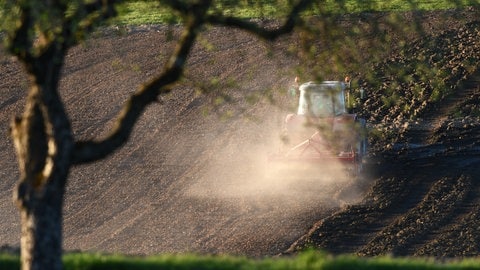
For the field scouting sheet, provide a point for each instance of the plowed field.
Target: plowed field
(192, 177)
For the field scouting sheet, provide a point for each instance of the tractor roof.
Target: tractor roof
(320, 87)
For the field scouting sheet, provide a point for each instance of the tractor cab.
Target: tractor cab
(322, 100)
(323, 130)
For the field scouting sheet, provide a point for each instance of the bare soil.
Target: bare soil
(192, 177)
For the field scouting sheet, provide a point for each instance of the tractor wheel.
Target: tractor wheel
(362, 145)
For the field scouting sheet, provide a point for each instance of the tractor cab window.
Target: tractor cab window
(321, 100)
(321, 105)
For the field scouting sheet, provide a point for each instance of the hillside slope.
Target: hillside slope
(187, 180)
(191, 179)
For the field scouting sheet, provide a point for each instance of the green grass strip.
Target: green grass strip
(304, 261)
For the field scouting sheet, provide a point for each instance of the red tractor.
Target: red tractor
(323, 132)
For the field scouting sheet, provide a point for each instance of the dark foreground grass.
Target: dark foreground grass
(305, 261)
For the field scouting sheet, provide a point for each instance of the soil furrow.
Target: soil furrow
(451, 224)
(434, 117)
(416, 223)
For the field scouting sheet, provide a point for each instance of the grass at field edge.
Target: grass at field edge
(305, 260)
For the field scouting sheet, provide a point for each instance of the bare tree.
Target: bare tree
(40, 35)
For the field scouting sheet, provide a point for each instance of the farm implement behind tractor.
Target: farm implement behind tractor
(323, 133)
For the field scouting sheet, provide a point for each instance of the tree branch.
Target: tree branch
(22, 44)
(287, 27)
(71, 28)
(89, 151)
(177, 5)
(196, 15)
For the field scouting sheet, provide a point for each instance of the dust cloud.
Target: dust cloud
(241, 173)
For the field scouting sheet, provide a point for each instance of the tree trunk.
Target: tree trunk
(41, 239)
(43, 140)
